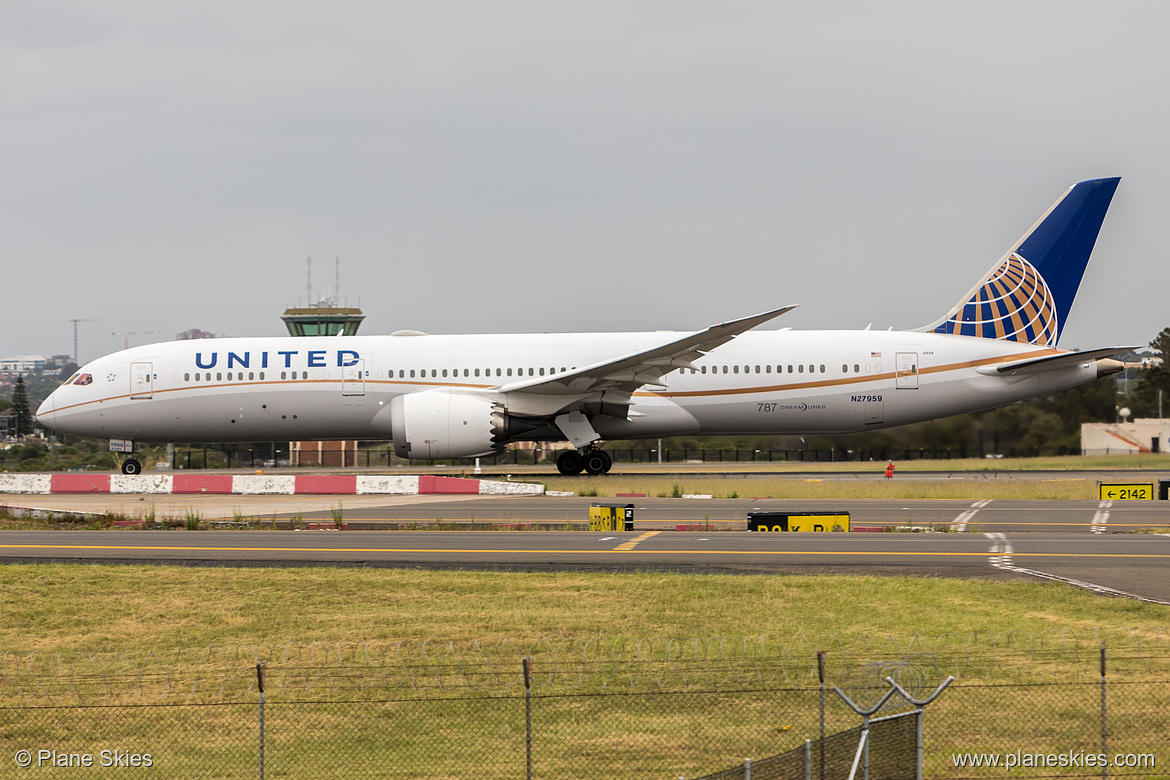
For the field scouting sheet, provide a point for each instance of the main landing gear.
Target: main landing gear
(131, 466)
(592, 461)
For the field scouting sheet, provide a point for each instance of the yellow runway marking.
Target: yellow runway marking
(1029, 522)
(482, 551)
(627, 546)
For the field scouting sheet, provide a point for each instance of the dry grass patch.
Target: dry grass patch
(721, 487)
(73, 608)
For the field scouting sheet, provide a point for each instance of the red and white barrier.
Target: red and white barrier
(262, 484)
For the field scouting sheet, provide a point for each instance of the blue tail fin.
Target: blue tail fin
(1027, 295)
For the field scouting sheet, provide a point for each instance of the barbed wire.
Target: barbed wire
(416, 667)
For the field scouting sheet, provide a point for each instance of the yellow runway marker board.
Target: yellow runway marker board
(1140, 491)
(798, 522)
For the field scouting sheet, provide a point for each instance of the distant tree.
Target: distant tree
(23, 420)
(1144, 400)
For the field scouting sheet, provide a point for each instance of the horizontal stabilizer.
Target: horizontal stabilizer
(1052, 362)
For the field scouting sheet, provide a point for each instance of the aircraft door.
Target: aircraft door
(353, 379)
(141, 381)
(907, 376)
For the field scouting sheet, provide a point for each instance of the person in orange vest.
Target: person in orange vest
(890, 470)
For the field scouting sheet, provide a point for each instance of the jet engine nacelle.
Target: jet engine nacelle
(444, 424)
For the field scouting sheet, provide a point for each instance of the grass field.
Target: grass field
(638, 674)
(762, 487)
(958, 465)
(73, 609)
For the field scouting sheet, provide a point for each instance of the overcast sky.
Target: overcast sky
(537, 166)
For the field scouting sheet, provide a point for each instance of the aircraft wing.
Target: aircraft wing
(629, 372)
(1063, 360)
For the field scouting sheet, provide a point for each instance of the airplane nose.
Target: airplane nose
(46, 411)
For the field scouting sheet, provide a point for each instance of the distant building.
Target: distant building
(21, 364)
(323, 453)
(1132, 438)
(194, 333)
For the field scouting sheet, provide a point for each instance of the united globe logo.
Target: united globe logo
(1013, 303)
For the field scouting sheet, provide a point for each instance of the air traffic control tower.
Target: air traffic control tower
(322, 320)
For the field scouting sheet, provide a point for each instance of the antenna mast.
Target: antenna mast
(75, 358)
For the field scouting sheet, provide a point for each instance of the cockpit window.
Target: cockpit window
(83, 379)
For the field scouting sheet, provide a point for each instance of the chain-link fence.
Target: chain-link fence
(599, 709)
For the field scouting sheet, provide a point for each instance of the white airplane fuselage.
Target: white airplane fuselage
(762, 382)
(468, 395)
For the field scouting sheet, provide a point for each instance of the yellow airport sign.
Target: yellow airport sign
(800, 522)
(611, 517)
(1140, 491)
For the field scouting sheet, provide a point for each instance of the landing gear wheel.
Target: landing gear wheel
(597, 462)
(131, 467)
(570, 463)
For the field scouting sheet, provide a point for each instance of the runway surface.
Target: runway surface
(1080, 542)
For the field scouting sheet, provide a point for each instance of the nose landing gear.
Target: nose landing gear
(131, 466)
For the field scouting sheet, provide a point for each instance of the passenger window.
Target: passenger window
(735, 369)
(218, 376)
(444, 372)
(477, 372)
(509, 372)
(856, 369)
(768, 369)
(542, 370)
(790, 369)
(801, 367)
(187, 377)
(261, 375)
(412, 373)
(822, 368)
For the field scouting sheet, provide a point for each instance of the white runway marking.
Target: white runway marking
(1100, 518)
(963, 519)
(1001, 558)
